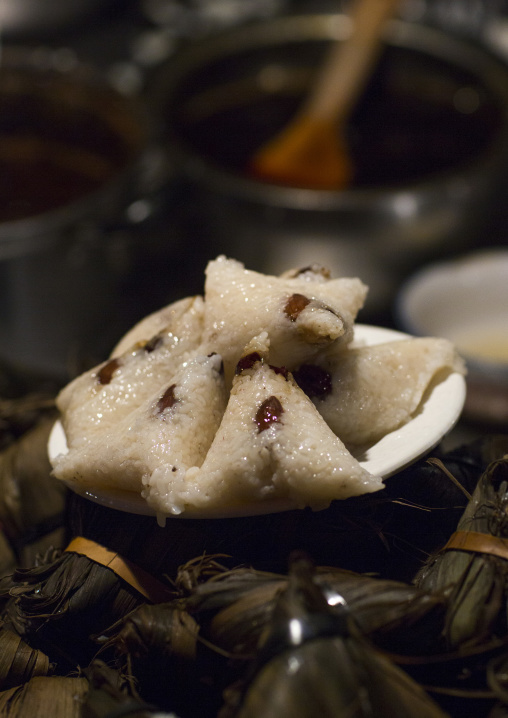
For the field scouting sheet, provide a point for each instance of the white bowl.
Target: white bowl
(466, 300)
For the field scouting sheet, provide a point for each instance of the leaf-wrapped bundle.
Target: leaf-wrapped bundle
(471, 571)
(44, 696)
(18, 661)
(32, 503)
(313, 660)
(58, 604)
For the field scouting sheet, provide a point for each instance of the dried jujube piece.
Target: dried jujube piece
(313, 380)
(269, 412)
(282, 370)
(297, 303)
(167, 400)
(107, 371)
(247, 362)
(295, 306)
(152, 344)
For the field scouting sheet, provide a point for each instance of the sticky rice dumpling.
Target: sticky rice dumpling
(369, 391)
(302, 314)
(107, 393)
(247, 400)
(168, 433)
(272, 444)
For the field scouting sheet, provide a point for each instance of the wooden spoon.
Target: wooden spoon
(312, 150)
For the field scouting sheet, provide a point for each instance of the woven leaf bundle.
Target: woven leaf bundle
(471, 570)
(18, 661)
(161, 647)
(166, 629)
(234, 607)
(60, 602)
(312, 660)
(21, 408)
(185, 653)
(110, 693)
(8, 558)
(42, 697)
(32, 503)
(497, 678)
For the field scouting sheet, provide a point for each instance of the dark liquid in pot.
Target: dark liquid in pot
(44, 177)
(418, 117)
(54, 151)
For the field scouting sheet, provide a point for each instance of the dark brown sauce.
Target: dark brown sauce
(54, 149)
(419, 116)
(37, 183)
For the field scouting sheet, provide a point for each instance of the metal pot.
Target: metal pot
(379, 230)
(74, 156)
(44, 18)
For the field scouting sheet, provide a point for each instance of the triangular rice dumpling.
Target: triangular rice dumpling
(272, 445)
(158, 441)
(168, 319)
(104, 395)
(248, 400)
(364, 393)
(301, 313)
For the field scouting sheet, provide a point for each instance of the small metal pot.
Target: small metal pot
(379, 231)
(74, 155)
(23, 19)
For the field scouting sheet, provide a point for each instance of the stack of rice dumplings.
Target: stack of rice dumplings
(248, 397)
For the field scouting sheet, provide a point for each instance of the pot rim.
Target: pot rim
(465, 54)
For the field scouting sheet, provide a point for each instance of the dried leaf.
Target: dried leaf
(18, 661)
(41, 697)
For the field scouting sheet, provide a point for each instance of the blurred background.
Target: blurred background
(126, 127)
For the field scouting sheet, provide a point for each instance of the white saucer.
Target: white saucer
(434, 419)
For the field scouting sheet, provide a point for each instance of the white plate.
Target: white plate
(435, 418)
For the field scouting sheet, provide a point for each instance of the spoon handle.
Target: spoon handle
(342, 77)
